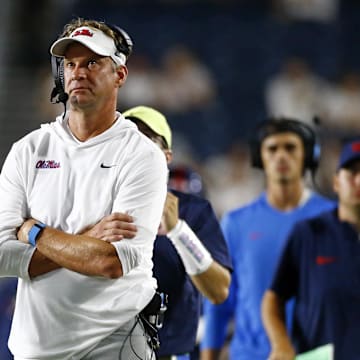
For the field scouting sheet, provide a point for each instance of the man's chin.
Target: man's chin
(78, 101)
(284, 179)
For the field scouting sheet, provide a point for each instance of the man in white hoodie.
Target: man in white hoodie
(78, 296)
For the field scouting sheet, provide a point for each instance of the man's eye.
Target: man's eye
(92, 62)
(272, 149)
(290, 148)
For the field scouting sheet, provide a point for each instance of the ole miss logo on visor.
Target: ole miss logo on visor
(83, 32)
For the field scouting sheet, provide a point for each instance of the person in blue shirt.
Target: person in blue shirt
(255, 233)
(320, 267)
(190, 258)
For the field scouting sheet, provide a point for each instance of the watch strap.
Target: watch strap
(35, 232)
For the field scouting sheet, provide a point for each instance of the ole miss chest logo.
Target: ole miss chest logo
(47, 164)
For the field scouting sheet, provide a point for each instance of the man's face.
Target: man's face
(347, 184)
(90, 78)
(283, 157)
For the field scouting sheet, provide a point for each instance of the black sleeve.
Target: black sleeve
(286, 277)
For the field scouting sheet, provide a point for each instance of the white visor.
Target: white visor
(92, 38)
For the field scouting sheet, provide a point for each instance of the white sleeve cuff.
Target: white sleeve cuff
(130, 257)
(196, 258)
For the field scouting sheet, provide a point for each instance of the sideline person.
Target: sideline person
(284, 148)
(319, 267)
(190, 253)
(79, 296)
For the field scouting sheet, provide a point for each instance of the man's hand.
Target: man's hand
(114, 227)
(170, 215)
(24, 229)
(283, 351)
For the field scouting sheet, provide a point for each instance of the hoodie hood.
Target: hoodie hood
(61, 130)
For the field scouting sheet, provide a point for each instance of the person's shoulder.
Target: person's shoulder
(246, 209)
(136, 148)
(137, 143)
(193, 203)
(316, 197)
(318, 222)
(318, 203)
(128, 129)
(31, 137)
(187, 198)
(324, 217)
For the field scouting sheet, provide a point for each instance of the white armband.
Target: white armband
(193, 253)
(130, 257)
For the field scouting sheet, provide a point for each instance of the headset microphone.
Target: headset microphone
(63, 97)
(58, 94)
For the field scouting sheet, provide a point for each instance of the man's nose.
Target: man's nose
(282, 153)
(78, 73)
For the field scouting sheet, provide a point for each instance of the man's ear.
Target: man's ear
(336, 183)
(169, 156)
(122, 73)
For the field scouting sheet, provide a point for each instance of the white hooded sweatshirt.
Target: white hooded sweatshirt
(51, 176)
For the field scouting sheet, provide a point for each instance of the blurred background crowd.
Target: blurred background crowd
(216, 68)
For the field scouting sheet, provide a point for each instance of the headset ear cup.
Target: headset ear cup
(315, 156)
(61, 73)
(57, 68)
(128, 42)
(312, 147)
(126, 45)
(54, 67)
(255, 154)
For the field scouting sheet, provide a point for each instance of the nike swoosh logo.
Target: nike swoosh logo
(102, 165)
(255, 235)
(324, 260)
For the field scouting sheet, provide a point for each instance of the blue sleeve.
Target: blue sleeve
(217, 317)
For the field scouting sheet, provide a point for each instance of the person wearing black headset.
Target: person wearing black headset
(80, 296)
(255, 233)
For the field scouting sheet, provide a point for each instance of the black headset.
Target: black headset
(124, 45)
(280, 125)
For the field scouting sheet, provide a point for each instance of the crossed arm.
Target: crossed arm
(89, 253)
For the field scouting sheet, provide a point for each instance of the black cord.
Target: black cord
(128, 336)
(63, 117)
(138, 321)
